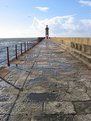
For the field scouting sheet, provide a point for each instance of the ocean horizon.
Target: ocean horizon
(12, 41)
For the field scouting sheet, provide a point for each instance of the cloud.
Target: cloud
(62, 26)
(86, 22)
(85, 2)
(43, 9)
(58, 26)
(85, 26)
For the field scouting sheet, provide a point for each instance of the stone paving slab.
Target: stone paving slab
(59, 107)
(4, 71)
(5, 108)
(45, 84)
(3, 117)
(86, 117)
(27, 108)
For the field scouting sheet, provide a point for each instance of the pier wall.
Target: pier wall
(78, 47)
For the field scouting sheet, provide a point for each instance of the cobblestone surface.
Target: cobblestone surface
(45, 84)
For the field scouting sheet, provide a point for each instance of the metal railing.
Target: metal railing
(13, 52)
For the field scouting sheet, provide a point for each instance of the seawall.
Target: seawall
(78, 47)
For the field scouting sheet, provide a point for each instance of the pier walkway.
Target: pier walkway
(45, 84)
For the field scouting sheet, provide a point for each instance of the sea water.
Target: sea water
(11, 42)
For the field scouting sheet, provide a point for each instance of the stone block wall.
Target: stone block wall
(78, 47)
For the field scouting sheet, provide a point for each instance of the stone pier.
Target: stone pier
(45, 84)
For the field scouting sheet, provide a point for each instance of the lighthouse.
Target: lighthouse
(47, 32)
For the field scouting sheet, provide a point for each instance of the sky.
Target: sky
(28, 18)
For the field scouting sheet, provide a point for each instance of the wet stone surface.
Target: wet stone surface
(45, 84)
(36, 80)
(41, 97)
(55, 117)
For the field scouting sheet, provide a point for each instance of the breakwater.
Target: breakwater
(48, 84)
(78, 47)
